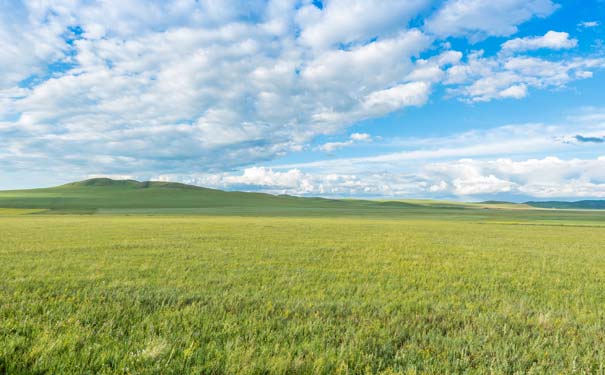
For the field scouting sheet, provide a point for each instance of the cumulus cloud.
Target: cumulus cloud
(296, 182)
(200, 85)
(466, 179)
(266, 177)
(481, 78)
(548, 177)
(551, 40)
(481, 18)
(400, 96)
(346, 21)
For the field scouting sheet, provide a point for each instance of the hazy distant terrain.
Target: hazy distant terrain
(578, 205)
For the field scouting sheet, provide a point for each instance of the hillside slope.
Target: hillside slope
(104, 193)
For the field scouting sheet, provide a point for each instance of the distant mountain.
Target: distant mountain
(496, 202)
(578, 205)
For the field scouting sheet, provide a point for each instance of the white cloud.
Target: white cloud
(589, 24)
(295, 182)
(479, 185)
(30, 39)
(361, 137)
(498, 163)
(400, 96)
(351, 21)
(486, 78)
(469, 165)
(516, 92)
(466, 179)
(514, 140)
(266, 177)
(353, 139)
(439, 187)
(549, 177)
(113, 176)
(583, 74)
(551, 40)
(181, 86)
(481, 18)
(331, 146)
(432, 69)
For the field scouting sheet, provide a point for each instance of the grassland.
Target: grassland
(413, 288)
(194, 294)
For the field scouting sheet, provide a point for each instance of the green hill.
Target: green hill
(105, 193)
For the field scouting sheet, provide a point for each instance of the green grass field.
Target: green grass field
(412, 289)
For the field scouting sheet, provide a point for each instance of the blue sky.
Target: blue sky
(450, 99)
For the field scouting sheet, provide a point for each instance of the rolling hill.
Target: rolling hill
(105, 193)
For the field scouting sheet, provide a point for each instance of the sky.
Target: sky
(450, 99)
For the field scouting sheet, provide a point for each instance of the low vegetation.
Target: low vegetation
(421, 290)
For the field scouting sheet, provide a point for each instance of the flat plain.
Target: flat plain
(434, 289)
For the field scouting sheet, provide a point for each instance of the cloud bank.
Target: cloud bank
(463, 166)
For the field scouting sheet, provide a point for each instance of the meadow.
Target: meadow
(430, 290)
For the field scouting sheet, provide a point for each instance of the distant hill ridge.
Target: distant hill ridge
(561, 205)
(103, 181)
(578, 205)
(496, 202)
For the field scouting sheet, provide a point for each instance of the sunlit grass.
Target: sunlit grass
(111, 294)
